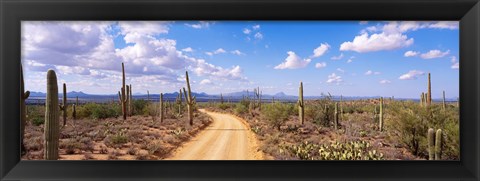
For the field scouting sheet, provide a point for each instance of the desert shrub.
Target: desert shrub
(138, 106)
(223, 106)
(277, 113)
(151, 109)
(409, 123)
(240, 108)
(98, 111)
(36, 114)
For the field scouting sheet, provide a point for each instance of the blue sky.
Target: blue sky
(350, 58)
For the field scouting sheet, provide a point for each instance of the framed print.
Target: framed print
(245, 90)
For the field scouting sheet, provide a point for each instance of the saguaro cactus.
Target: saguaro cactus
(148, 96)
(438, 145)
(130, 108)
(179, 101)
(51, 128)
(431, 144)
(123, 98)
(63, 107)
(381, 115)
(190, 101)
(335, 115)
(161, 107)
(221, 98)
(422, 97)
(23, 119)
(429, 94)
(128, 100)
(74, 112)
(444, 106)
(301, 103)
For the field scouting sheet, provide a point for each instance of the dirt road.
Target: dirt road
(227, 138)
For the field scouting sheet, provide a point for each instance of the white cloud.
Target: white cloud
(434, 54)
(258, 36)
(256, 27)
(337, 57)
(218, 51)
(333, 78)
(200, 25)
(320, 65)
(369, 72)
(411, 75)
(321, 50)
(391, 35)
(340, 70)
(385, 81)
(247, 31)
(206, 82)
(188, 49)
(349, 60)
(293, 61)
(455, 63)
(376, 42)
(143, 27)
(237, 52)
(411, 53)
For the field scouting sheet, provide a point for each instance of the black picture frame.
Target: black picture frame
(12, 12)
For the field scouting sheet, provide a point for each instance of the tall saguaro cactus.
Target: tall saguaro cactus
(438, 145)
(189, 99)
(443, 103)
(23, 109)
(422, 99)
(130, 99)
(123, 98)
(301, 103)
(431, 144)
(51, 128)
(434, 144)
(429, 94)
(63, 107)
(161, 107)
(381, 115)
(336, 116)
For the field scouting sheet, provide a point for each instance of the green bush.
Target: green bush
(277, 113)
(138, 106)
(98, 111)
(240, 109)
(223, 106)
(409, 123)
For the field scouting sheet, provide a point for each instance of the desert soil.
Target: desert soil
(227, 138)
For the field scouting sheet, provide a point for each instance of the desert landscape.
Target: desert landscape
(142, 99)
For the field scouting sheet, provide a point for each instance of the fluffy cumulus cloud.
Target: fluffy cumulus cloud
(376, 42)
(206, 82)
(411, 75)
(320, 65)
(253, 32)
(321, 50)
(293, 61)
(434, 54)
(88, 49)
(217, 51)
(334, 78)
(391, 35)
(411, 53)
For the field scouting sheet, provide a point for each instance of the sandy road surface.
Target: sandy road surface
(227, 138)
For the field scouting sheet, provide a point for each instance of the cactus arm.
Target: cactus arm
(438, 145)
(186, 97)
(431, 144)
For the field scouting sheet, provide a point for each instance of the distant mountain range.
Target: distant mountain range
(201, 97)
